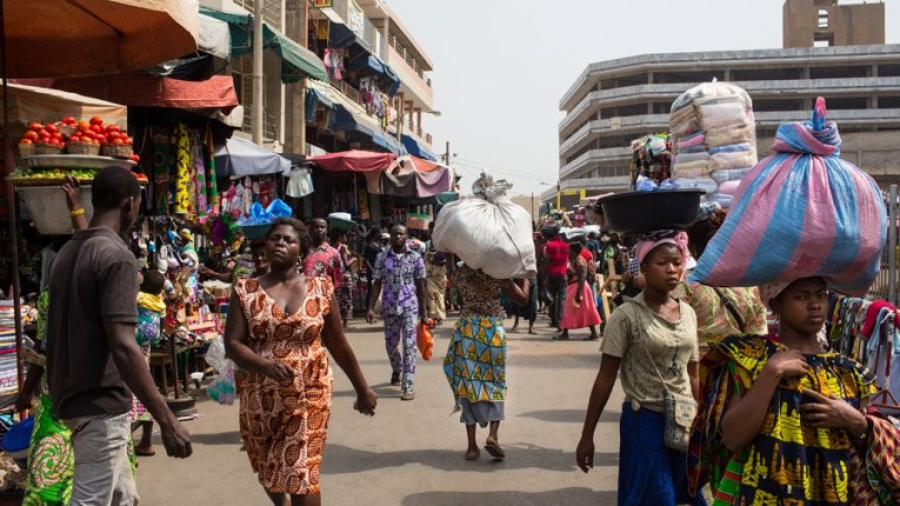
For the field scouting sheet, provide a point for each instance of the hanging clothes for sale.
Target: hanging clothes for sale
(199, 176)
(184, 186)
(334, 62)
(299, 183)
(160, 164)
(210, 160)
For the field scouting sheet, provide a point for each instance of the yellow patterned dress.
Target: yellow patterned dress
(788, 463)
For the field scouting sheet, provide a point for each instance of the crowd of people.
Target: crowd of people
(672, 344)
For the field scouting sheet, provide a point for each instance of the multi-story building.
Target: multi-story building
(334, 109)
(613, 102)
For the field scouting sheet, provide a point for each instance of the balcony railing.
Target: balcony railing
(408, 58)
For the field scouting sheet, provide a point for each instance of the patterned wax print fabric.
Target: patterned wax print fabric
(787, 463)
(398, 274)
(51, 459)
(324, 260)
(284, 424)
(714, 320)
(475, 364)
(479, 292)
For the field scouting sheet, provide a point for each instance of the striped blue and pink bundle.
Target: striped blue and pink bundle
(801, 212)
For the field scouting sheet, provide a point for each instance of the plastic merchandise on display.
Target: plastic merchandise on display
(488, 231)
(729, 187)
(645, 184)
(713, 134)
(801, 212)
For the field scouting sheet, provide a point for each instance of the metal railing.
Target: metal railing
(886, 283)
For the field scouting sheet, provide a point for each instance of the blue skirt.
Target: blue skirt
(650, 474)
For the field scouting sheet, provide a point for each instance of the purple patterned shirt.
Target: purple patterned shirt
(398, 274)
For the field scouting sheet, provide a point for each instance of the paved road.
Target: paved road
(411, 453)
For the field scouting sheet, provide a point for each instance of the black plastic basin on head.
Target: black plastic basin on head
(642, 212)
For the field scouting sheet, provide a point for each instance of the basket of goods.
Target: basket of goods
(340, 221)
(488, 231)
(67, 126)
(641, 212)
(17, 439)
(651, 157)
(256, 225)
(713, 132)
(801, 212)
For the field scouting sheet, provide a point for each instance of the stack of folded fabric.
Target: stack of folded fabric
(8, 378)
(714, 137)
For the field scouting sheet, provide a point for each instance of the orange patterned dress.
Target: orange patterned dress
(283, 424)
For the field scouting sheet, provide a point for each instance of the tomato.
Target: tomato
(25, 141)
(102, 141)
(117, 142)
(96, 120)
(102, 137)
(129, 141)
(69, 120)
(31, 135)
(54, 142)
(43, 132)
(50, 127)
(56, 135)
(83, 126)
(113, 128)
(44, 139)
(35, 126)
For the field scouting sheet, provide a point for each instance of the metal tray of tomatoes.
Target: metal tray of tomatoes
(75, 161)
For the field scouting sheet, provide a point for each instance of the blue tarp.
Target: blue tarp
(313, 98)
(362, 57)
(343, 120)
(415, 148)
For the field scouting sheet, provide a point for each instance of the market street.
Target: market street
(411, 453)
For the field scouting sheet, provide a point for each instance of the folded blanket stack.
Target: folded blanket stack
(714, 139)
(8, 371)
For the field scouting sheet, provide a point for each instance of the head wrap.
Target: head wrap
(651, 242)
(771, 290)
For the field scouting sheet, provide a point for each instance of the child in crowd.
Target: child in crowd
(151, 310)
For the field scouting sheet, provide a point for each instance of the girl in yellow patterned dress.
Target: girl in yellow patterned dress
(779, 414)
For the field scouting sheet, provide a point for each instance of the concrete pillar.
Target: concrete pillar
(649, 77)
(419, 122)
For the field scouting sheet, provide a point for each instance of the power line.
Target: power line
(479, 166)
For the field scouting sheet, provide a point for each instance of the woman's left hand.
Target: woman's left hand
(365, 402)
(832, 413)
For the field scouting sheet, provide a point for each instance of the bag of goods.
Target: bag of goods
(713, 134)
(802, 212)
(488, 231)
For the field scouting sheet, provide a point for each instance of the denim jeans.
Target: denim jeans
(556, 287)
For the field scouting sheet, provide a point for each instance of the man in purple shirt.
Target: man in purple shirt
(400, 278)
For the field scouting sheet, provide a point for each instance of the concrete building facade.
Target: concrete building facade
(822, 23)
(613, 102)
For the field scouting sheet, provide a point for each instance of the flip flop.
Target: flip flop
(494, 449)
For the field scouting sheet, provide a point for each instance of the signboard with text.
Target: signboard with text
(322, 4)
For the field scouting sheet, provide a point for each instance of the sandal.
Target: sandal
(494, 449)
(473, 455)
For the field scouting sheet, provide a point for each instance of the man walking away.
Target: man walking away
(557, 259)
(400, 278)
(93, 359)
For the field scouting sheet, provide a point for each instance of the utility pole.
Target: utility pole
(256, 118)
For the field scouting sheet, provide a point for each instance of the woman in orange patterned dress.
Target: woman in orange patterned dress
(279, 331)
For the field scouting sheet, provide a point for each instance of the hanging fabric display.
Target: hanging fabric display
(183, 179)
(362, 200)
(199, 176)
(213, 189)
(160, 169)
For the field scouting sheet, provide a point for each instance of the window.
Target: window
(823, 18)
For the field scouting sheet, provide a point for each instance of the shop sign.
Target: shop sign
(322, 4)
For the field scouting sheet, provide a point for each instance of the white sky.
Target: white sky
(502, 66)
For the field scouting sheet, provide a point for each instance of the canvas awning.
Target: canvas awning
(240, 157)
(414, 147)
(140, 89)
(30, 103)
(297, 62)
(354, 161)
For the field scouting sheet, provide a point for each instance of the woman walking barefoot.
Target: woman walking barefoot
(278, 330)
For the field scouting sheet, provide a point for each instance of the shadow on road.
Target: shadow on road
(568, 416)
(561, 497)
(341, 459)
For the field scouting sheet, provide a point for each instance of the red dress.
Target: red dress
(283, 424)
(575, 315)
